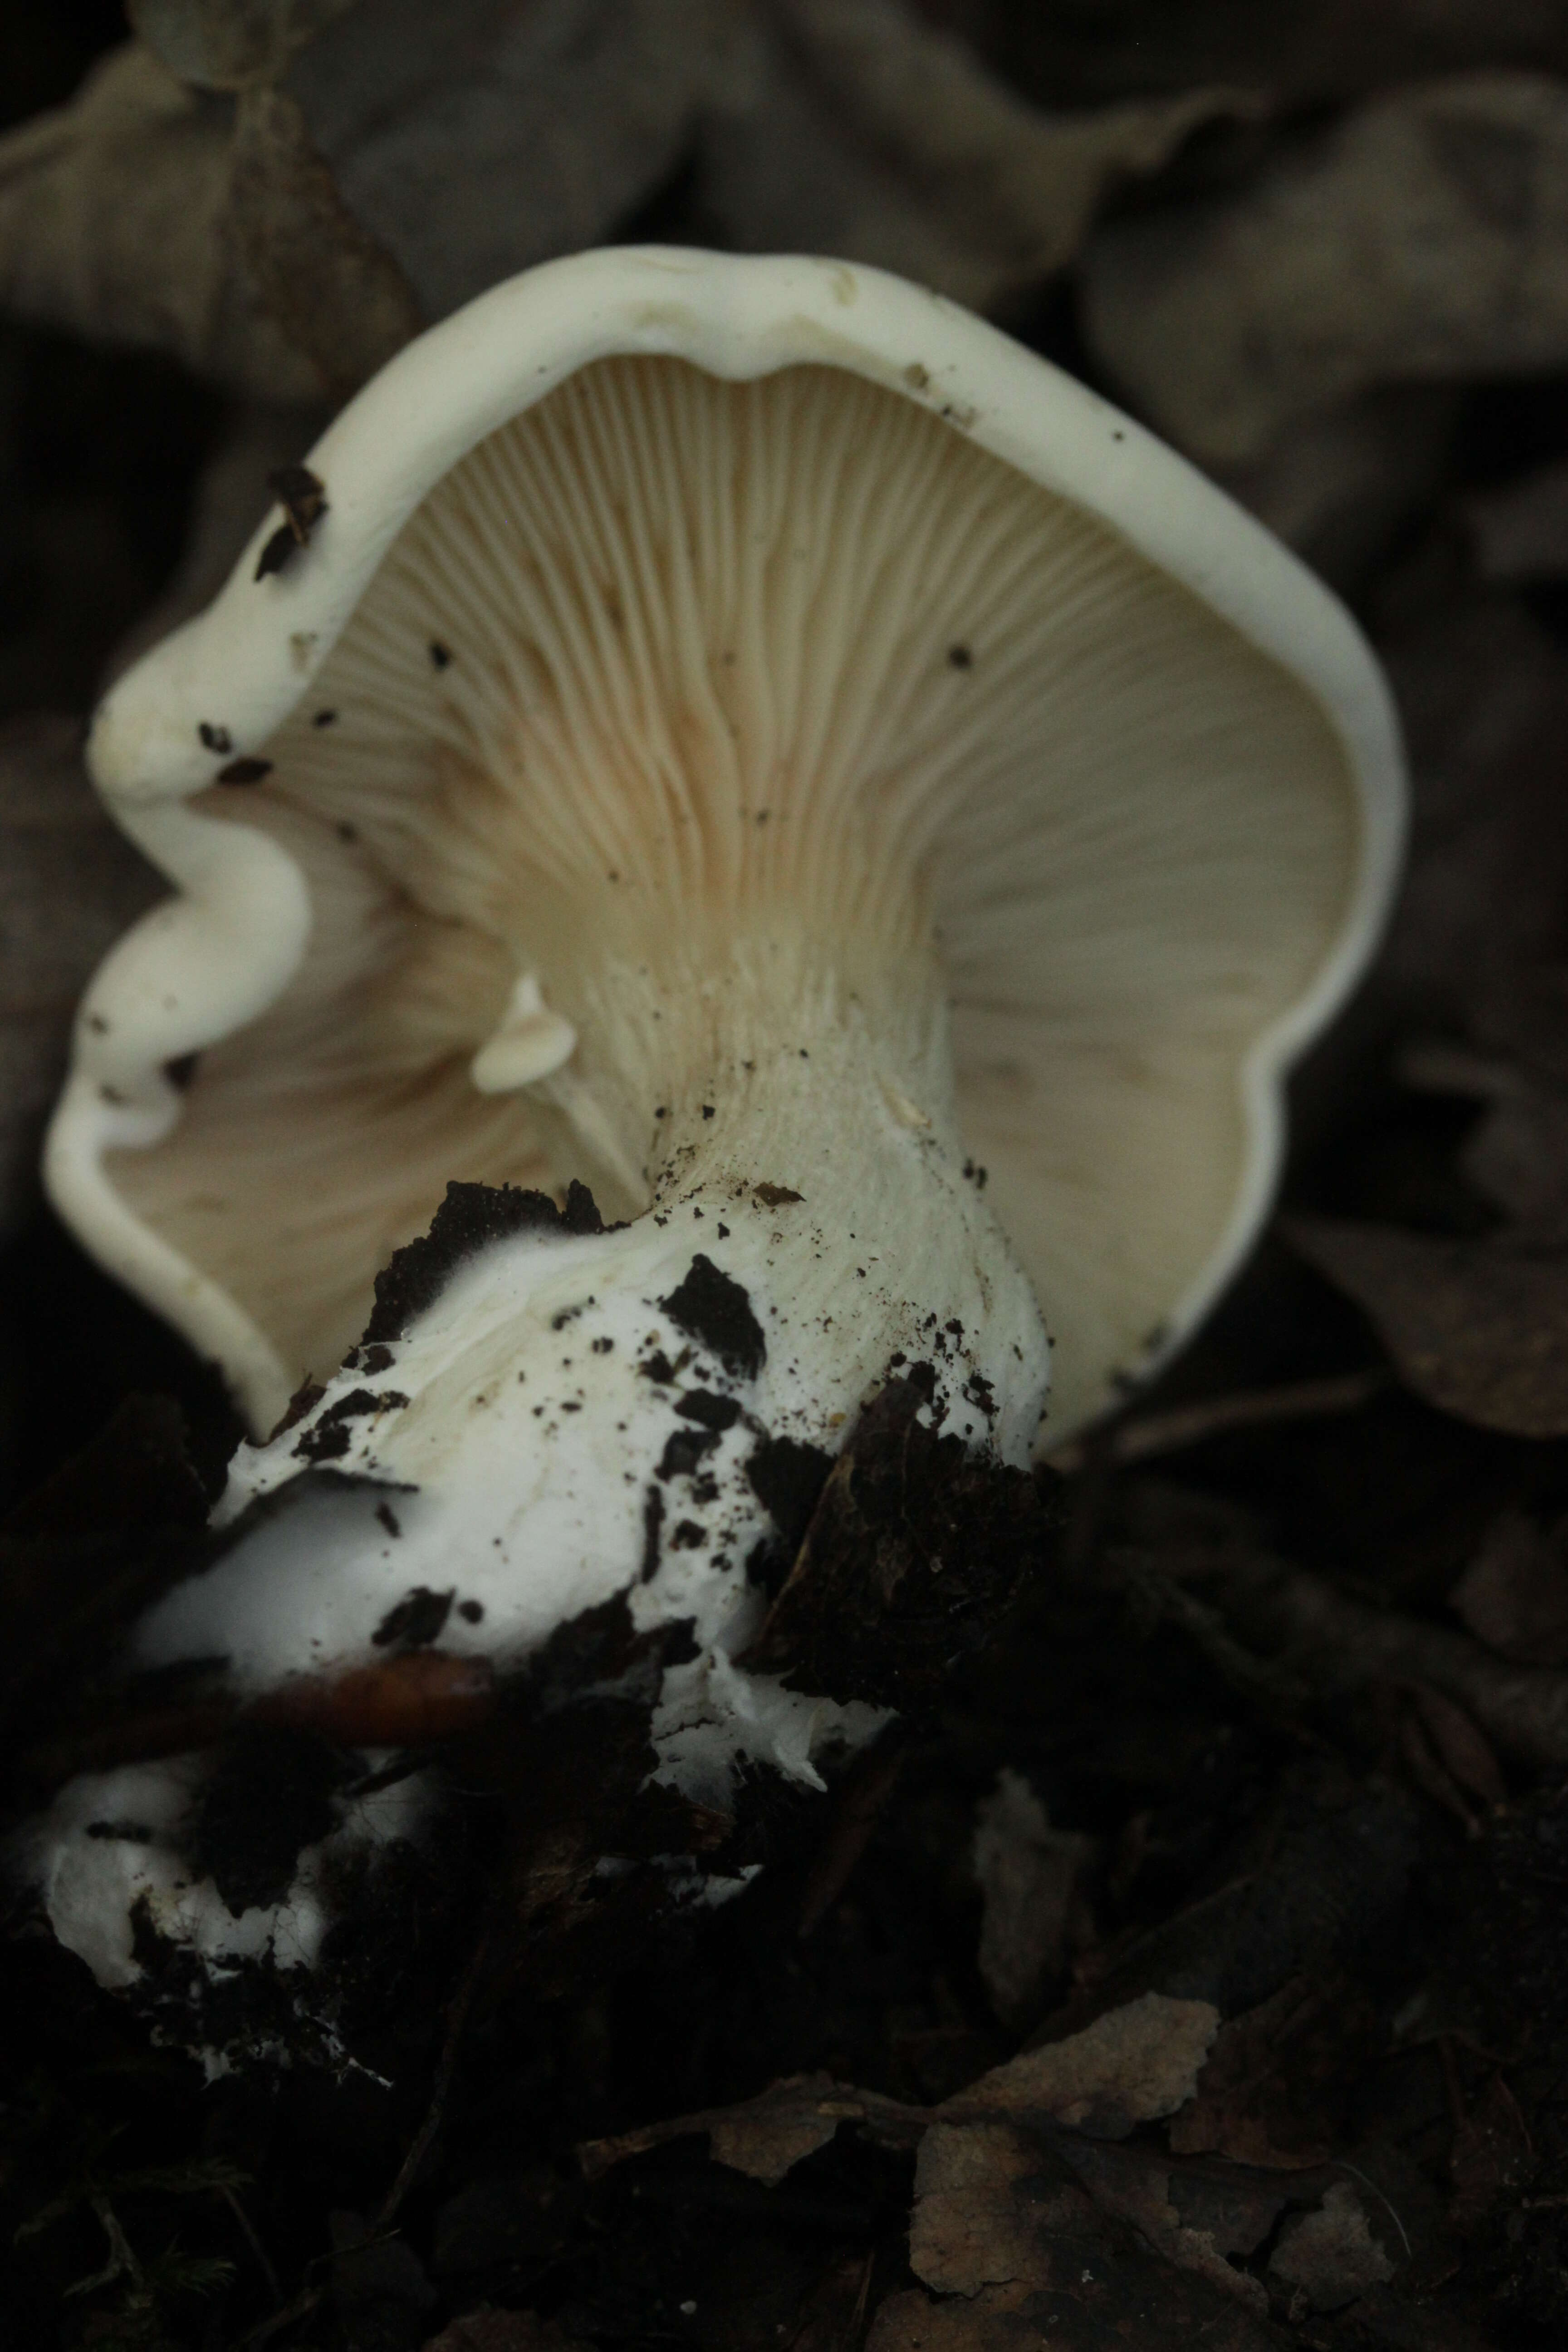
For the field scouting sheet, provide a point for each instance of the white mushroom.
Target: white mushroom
(746, 736)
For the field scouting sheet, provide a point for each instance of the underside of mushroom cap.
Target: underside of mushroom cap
(719, 617)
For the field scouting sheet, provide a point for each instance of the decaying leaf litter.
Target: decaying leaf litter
(1195, 1958)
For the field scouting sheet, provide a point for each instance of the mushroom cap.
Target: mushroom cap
(925, 594)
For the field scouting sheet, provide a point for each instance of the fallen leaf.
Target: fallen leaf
(114, 225)
(1312, 56)
(377, 2283)
(1126, 2068)
(1420, 239)
(1342, 1644)
(1029, 1876)
(764, 2138)
(1276, 2084)
(1462, 1749)
(1520, 531)
(488, 2330)
(472, 139)
(1131, 2066)
(1482, 692)
(911, 2322)
(1089, 2300)
(1517, 1154)
(388, 163)
(1514, 1594)
(510, 2222)
(982, 2216)
(992, 2207)
(1430, 1774)
(1480, 1328)
(1332, 2255)
(406, 148)
(1194, 2217)
(859, 130)
(226, 44)
(833, 2317)
(337, 294)
(1344, 482)
(1492, 2155)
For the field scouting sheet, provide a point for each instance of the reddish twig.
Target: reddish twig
(1139, 1438)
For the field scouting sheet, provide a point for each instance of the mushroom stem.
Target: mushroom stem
(577, 1415)
(559, 1417)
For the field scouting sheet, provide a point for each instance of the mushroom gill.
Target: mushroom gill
(690, 728)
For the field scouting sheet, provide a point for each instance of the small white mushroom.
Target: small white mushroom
(745, 735)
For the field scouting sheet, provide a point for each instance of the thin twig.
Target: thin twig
(859, 1809)
(1161, 1598)
(856, 2329)
(1094, 1460)
(1343, 2164)
(1335, 1643)
(303, 2305)
(253, 2239)
(310, 2297)
(1179, 1426)
(458, 2011)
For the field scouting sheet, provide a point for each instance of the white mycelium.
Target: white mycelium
(764, 747)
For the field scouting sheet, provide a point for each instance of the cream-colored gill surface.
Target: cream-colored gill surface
(654, 658)
(316, 1141)
(1131, 908)
(668, 660)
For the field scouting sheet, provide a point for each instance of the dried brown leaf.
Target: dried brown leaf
(1430, 1775)
(1279, 2078)
(1483, 694)
(1029, 1876)
(1461, 1748)
(1193, 2217)
(833, 2317)
(1135, 2064)
(1332, 2255)
(1324, 51)
(1517, 1155)
(865, 132)
(991, 2322)
(1092, 2302)
(1422, 239)
(765, 2137)
(1477, 1327)
(1341, 484)
(1492, 2155)
(1514, 1594)
(1520, 531)
(336, 293)
(488, 2330)
(1131, 2066)
(474, 139)
(980, 2218)
(114, 225)
(225, 44)
(409, 157)
(433, 149)
(1337, 1644)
